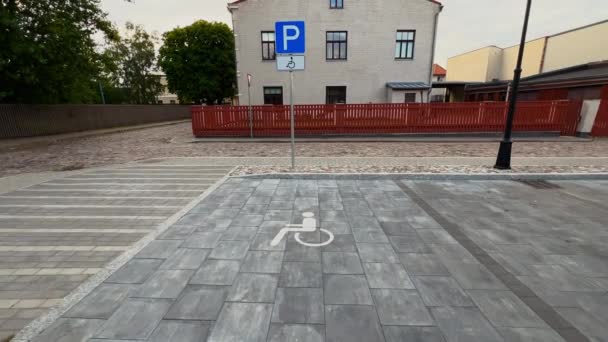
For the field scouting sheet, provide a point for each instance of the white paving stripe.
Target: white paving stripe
(96, 197)
(83, 217)
(137, 178)
(125, 183)
(47, 271)
(63, 248)
(60, 206)
(117, 190)
(75, 230)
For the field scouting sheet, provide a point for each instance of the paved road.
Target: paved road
(410, 261)
(55, 235)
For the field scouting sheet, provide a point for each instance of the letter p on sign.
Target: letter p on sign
(291, 37)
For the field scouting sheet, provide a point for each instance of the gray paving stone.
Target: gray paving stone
(474, 276)
(464, 324)
(136, 271)
(422, 264)
(341, 263)
(213, 225)
(346, 289)
(296, 332)
(299, 305)
(253, 209)
(198, 303)
(262, 262)
(436, 236)
(247, 220)
(441, 291)
(163, 284)
(358, 222)
(70, 330)
(261, 242)
(230, 250)
(159, 249)
(341, 243)
(559, 278)
(297, 252)
(371, 236)
(387, 276)
(202, 240)
(278, 215)
(412, 334)
(281, 205)
(255, 288)
(180, 331)
(101, 303)
(377, 252)
(337, 228)
(272, 227)
(530, 335)
(591, 327)
(216, 272)
(453, 253)
(401, 307)
(409, 244)
(136, 319)
(243, 322)
(177, 232)
(185, 259)
(397, 228)
(352, 323)
(332, 215)
(301, 274)
(239, 233)
(504, 309)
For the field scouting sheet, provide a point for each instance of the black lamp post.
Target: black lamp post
(503, 161)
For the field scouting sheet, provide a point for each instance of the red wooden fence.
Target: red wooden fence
(600, 127)
(375, 119)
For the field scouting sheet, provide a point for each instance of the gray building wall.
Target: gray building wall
(371, 26)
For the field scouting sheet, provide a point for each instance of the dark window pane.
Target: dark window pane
(273, 95)
(335, 95)
(410, 97)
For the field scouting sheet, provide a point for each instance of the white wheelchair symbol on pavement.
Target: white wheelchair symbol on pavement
(309, 224)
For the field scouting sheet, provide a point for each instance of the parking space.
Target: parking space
(392, 261)
(55, 235)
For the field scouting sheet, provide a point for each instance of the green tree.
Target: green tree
(48, 53)
(131, 62)
(199, 62)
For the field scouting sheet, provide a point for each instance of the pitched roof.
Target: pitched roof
(438, 70)
(239, 1)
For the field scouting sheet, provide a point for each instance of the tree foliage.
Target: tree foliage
(47, 50)
(199, 62)
(131, 62)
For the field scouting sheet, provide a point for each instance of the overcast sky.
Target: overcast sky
(463, 25)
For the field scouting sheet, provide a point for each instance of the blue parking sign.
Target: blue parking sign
(291, 37)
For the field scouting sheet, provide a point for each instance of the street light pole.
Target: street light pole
(503, 160)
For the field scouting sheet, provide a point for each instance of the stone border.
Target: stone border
(38, 325)
(432, 176)
(546, 312)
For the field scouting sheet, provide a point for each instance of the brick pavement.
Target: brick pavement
(176, 141)
(415, 260)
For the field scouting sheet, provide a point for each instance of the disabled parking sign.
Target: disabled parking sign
(290, 37)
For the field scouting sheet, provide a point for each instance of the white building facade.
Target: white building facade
(357, 51)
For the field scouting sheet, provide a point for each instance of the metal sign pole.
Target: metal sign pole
(249, 109)
(292, 114)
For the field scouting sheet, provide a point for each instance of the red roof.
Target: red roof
(438, 70)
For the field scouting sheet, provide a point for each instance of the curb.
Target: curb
(433, 176)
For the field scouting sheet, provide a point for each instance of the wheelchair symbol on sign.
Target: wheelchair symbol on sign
(291, 65)
(309, 225)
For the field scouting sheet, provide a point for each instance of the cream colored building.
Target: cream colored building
(357, 51)
(574, 47)
(166, 97)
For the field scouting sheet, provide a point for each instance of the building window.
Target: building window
(172, 101)
(268, 48)
(337, 45)
(404, 49)
(273, 95)
(336, 4)
(410, 97)
(335, 95)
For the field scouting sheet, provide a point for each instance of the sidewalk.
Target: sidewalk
(454, 261)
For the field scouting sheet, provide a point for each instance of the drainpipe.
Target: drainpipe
(433, 52)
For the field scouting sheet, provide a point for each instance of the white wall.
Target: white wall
(371, 27)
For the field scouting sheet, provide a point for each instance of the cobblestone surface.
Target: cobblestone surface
(176, 141)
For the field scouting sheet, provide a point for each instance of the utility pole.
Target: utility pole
(249, 107)
(503, 160)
